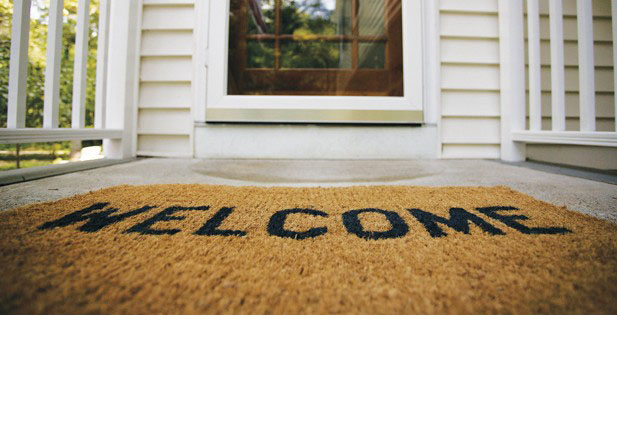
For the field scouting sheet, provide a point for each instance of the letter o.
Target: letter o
(352, 223)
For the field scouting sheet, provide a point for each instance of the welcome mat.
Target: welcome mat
(191, 249)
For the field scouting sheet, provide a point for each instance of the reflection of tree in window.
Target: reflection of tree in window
(319, 47)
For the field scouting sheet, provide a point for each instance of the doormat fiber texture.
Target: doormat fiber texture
(193, 249)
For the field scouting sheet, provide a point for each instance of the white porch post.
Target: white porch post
(18, 69)
(558, 79)
(512, 58)
(535, 66)
(80, 71)
(52, 70)
(102, 55)
(80, 66)
(586, 67)
(121, 78)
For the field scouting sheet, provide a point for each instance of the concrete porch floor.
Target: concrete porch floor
(591, 197)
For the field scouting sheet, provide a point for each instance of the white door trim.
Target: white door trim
(344, 109)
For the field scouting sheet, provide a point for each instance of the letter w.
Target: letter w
(95, 220)
(459, 221)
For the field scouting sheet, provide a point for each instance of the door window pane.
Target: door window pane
(260, 54)
(315, 54)
(315, 47)
(317, 18)
(372, 55)
(371, 18)
(262, 16)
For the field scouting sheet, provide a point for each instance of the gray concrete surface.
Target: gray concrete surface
(595, 198)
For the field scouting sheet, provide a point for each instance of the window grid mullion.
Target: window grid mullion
(355, 33)
(277, 35)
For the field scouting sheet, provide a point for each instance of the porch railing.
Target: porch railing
(114, 131)
(516, 132)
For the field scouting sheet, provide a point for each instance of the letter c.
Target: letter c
(276, 226)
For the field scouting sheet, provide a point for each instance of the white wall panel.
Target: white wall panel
(165, 124)
(465, 130)
(164, 145)
(170, 69)
(469, 77)
(470, 81)
(469, 25)
(473, 51)
(167, 42)
(471, 151)
(164, 121)
(168, 17)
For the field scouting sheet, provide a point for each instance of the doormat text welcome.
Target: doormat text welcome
(99, 215)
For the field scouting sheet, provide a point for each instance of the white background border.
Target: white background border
(308, 373)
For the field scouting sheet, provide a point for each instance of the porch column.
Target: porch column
(512, 59)
(121, 97)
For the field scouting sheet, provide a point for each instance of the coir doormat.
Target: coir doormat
(187, 249)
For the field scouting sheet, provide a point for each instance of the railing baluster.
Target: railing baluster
(535, 71)
(18, 69)
(114, 45)
(614, 18)
(52, 69)
(586, 74)
(80, 65)
(101, 65)
(558, 93)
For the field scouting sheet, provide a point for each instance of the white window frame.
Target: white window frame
(220, 107)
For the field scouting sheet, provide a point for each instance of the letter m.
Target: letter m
(459, 221)
(95, 218)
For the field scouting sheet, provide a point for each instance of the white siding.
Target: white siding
(470, 79)
(470, 84)
(164, 124)
(603, 49)
(605, 106)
